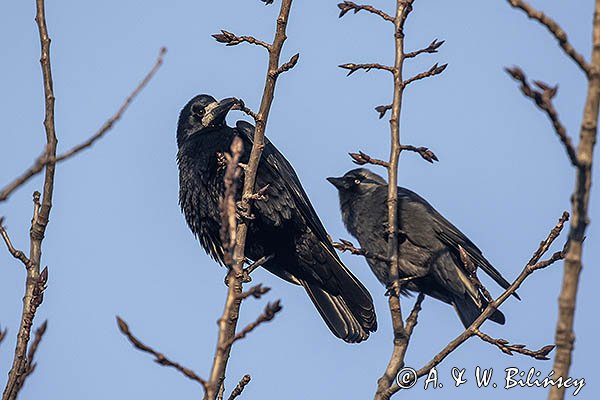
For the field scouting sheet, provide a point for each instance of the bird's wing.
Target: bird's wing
(453, 237)
(284, 186)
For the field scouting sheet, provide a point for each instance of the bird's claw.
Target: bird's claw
(243, 211)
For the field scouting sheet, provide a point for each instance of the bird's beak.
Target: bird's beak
(216, 112)
(337, 182)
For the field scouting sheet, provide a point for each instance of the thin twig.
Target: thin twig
(240, 387)
(159, 358)
(424, 152)
(18, 254)
(345, 245)
(350, 6)
(352, 68)
(431, 48)
(256, 291)
(434, 70)
(559, 34)
(227, 204)
(543, 99)
(45, 158)
(361, 158)
(230, 39)
(507, 348)
(271, 309)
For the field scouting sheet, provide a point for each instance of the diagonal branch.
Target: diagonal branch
(492, 307)
(434, 70)
(159, 358)
(431, 48)
(240, 387)
(345, 245)
(424, 152)
(45, 157)
(559, 34)
(347, 6)
(18, 254)
(271, 309)
(507, 348)
(543, 99)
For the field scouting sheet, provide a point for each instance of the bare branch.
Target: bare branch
(424, 152)
(288, 65)
(361, 158)
(559, 34)
(228, 321)
(256, 291)
(431, 48)
(352, 68)
(227, 205)
(434, 70)
(507, 348)
(383, 109)
(350, 6)
(489, 310)
(231, 39)
(45, 157)
(258, 263)
(543, 99)
(3, 334)
(159, 358)
(240, 387)
(242, 107)
(271, 309)
(412, 319)
(36, 280)
(345, 245)
(472, 270)
(18, 254)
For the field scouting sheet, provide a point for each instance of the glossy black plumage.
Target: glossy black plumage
(428, 248)
(285, 224)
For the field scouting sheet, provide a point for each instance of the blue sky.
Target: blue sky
(117, 243)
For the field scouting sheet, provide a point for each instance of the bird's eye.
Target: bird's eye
(198, 110)
(357, 181)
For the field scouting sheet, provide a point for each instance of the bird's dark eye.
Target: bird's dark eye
(357, 181)
(197, 110)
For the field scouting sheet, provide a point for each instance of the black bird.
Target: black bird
(284, 226)
(429, 256)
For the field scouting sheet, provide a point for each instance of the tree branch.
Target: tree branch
(431, 48)
(235, 278)
(352, 68)
(240, 387)
(434, 70)
(46, 158)
(271, 309)
(350, 6)
(345, 245)
(491, 308)
(559, 34)
(361, 158)
(159, 358)
(36, 280)
(543, 99)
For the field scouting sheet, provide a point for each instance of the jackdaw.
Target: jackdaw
(284, 226)
(429, 255)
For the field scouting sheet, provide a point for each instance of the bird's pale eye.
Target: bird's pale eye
(357, 181)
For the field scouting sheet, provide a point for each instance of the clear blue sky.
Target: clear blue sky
(117, 243)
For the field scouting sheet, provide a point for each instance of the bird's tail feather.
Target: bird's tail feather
(468, 311)
(339, 317)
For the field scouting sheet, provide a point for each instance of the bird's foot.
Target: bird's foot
(396, 287)
(260, 195)
(243, 211)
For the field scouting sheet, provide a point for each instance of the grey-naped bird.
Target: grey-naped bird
(284, 226)
(429, 244)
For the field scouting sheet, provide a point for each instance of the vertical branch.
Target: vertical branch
(35, 280)
(403, 8)
(565, 336)
(228, 321)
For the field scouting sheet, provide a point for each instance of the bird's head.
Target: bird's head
(356, 182)
(201, 114)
